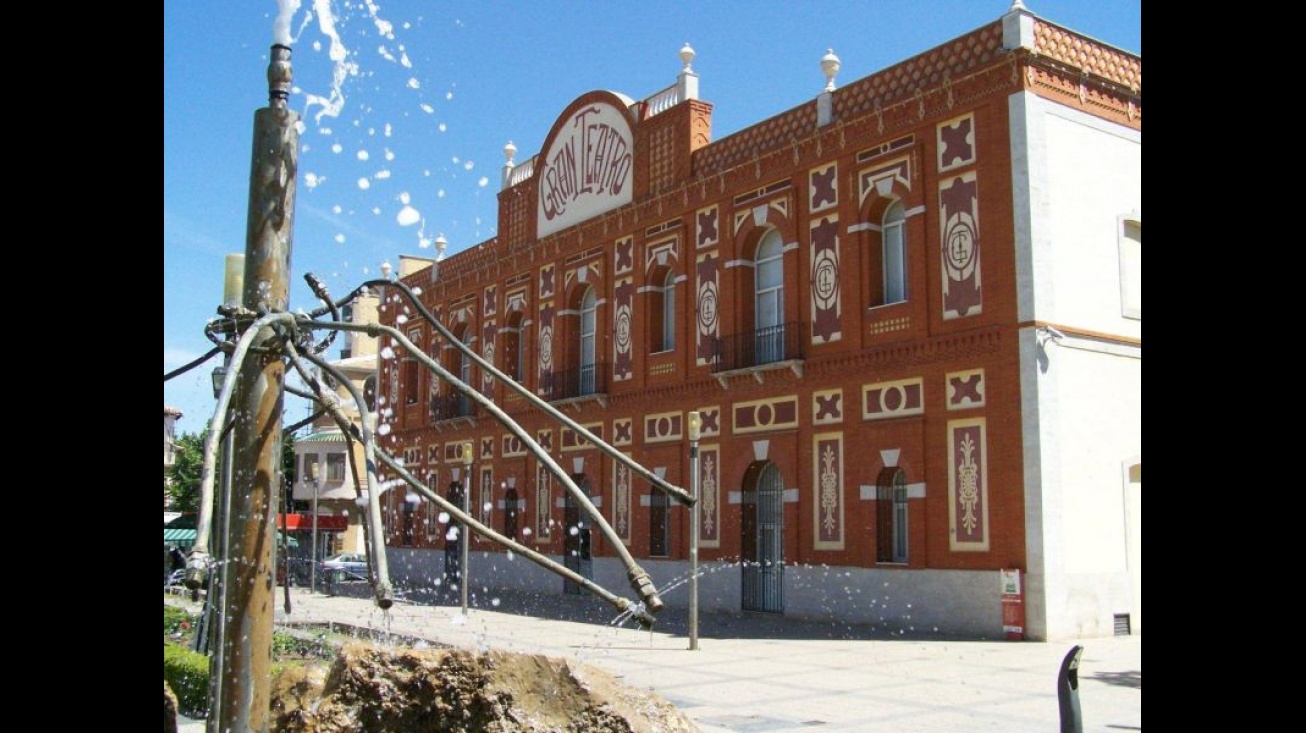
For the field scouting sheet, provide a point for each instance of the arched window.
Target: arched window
(662, 312)
(465, 376)
(769, 299)
(893, 244)
(588, 327)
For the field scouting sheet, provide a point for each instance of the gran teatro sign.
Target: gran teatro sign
(587, 167)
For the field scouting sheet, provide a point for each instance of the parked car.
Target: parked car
(354, 563)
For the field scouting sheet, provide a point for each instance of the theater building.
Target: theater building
(908, 312)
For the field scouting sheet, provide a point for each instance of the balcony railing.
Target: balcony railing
(582, 381)
(759, 347)
(450, 406)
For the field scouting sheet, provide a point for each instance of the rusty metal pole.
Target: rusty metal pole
(243, 684)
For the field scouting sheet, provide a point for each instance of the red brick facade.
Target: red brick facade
(930, 383)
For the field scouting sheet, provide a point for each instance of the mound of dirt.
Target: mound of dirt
(403, 690)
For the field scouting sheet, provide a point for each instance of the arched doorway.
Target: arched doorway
(576, 551)
(762, 539)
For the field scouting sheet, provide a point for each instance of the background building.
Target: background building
(170, 417)
(909, 312)
(323, 477)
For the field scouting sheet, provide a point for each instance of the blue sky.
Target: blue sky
(409, 144)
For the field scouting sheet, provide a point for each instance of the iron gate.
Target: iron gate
(762, 543)
(453, 539)
(576, 553)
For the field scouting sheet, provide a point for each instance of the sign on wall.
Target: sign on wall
(587, 168)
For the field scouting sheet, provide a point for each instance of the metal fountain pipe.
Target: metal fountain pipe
(382, 587)
(621, 604)
(638, 612)
(240, 690)
(638, 577)
(199, 561)
(680, 494)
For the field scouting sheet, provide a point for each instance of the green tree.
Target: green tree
(189, 468)
(187, 471)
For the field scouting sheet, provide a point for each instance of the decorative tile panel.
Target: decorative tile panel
(893, 399)
(623, 258)
(956, 142)
(709, 421)
(622, 431)
(543, 505)
(708, 303)
(622, 317)
(573, 441)
(663, 427)
(545, 440)
(707, 227)
(488, 333)
(545, 388)
(959, 231)
(758, 416)
(709, 495)
(968, 494)
(823, 188)
(512, 446)
(965, 389)
(547, 283)
(826, 309)
(827, 407)
(827, 490)
(621, 493)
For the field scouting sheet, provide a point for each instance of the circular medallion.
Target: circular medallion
(825, 279)
(707, 307)
(960, 245)
(623, 329)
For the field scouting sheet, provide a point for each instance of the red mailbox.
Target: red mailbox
(1013, 605)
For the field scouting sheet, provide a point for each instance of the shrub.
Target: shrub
(187, 673)
(173, 618)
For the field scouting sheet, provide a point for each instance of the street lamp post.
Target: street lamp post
(312, 568)
(695, 426)
(462, 531)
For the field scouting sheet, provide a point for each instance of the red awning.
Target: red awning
(304, 522)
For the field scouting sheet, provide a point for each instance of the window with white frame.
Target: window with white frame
(893, 245)
(1131, 267)
(768, 292)
(335, 467)
(588, 328)
(662, 311)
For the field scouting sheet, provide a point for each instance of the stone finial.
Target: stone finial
(440, 244)
(1017, 5)
(686, 57)
(829, 66)
(386, 269)
(509, 151)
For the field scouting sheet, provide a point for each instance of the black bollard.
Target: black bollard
(1068, 692)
